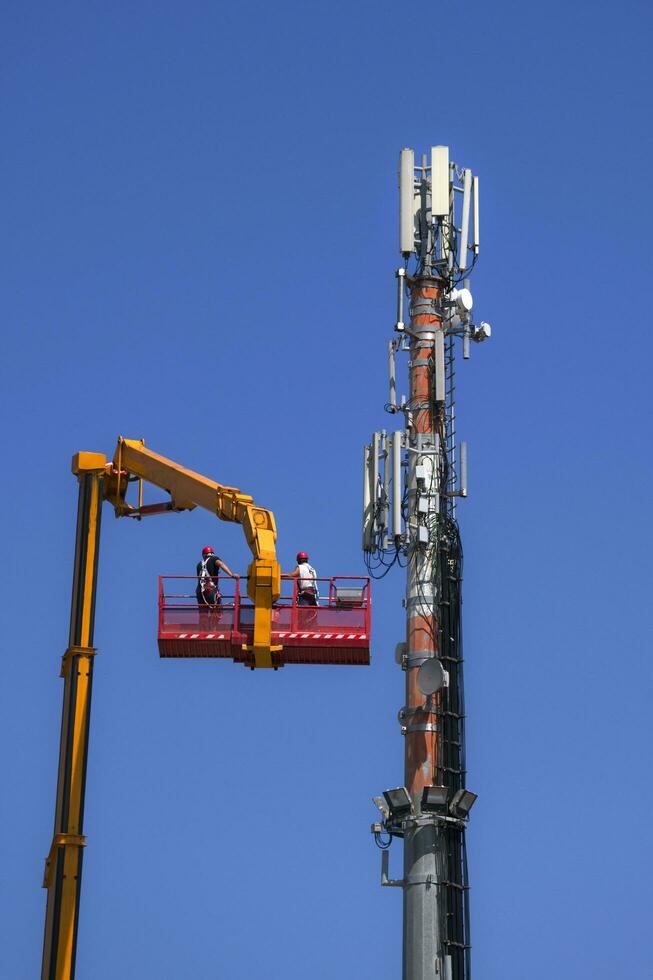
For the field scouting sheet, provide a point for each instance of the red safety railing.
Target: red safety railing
(179, 610)
(336, 610)
(335, 630)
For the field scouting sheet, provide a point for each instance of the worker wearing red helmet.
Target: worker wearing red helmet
(307, 594)
(208, 570)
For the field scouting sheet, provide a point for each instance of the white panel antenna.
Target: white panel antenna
(406, 201)
(464, 228)
(367, 501)
(385, 500)
(439, 378)
(376, 445)
(440, 181)
(391, 375)
(397, 488)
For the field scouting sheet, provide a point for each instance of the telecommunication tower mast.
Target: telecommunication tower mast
(412, 479)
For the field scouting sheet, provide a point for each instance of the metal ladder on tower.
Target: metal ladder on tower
(451, 754)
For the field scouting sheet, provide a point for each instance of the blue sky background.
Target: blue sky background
(199, 239)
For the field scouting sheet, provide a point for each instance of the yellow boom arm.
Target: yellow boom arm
(188, 490)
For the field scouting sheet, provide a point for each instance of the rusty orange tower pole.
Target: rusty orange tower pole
(421, 842)
(412, 479)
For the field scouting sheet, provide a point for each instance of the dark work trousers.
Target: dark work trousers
(209, 602)
(210, 596)
(307, 597)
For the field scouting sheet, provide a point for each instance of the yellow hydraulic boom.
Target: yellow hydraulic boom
(101, 480)
(188, 490)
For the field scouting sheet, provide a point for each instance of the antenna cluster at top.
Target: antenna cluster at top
(413, 477)
(437, 201)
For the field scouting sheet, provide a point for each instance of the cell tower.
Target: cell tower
(412, 479)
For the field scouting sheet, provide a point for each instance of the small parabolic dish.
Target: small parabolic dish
(430, 676)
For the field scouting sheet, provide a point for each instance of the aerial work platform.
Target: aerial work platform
(336, 631)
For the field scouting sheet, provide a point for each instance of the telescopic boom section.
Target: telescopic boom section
(188, 490)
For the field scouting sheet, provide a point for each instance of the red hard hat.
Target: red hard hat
(207, 551)
(302, 556)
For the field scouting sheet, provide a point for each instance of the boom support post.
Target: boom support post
(63, 866)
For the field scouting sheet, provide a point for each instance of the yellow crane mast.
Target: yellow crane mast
(101, 480)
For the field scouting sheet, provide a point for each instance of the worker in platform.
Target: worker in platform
(208, 569)
(307, 594)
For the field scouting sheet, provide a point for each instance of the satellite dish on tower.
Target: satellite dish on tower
(430, 676)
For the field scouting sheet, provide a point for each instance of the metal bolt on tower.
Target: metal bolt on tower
(412, 477)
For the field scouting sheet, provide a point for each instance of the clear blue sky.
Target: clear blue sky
(198, 245)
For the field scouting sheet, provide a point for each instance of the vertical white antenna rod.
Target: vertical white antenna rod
(391, 374)
(439, 376)
(401, 285)
(463, 469)
(366, 499)
(464, 228)
(406, 201)
(375, 481)
(397, 485)
(385, 513)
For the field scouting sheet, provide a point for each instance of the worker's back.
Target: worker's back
(307, 576)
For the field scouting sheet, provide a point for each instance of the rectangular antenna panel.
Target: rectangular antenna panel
(376, 443)
(477, 241)
(464, 227)
(406, 201)
(367, 500)
(440, 391)
(463, 469)
(385, 495)
(385, 498)
(440, 181)
(391, 375)
(397, 487)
